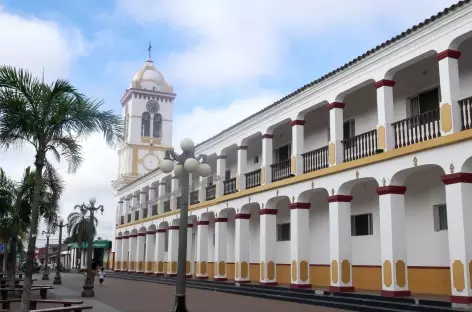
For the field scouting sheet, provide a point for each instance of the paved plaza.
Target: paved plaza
(119, 295)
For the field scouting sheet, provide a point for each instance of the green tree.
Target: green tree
(79, 228)
(53, 118)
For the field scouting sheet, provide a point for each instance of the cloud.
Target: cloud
(237, 42)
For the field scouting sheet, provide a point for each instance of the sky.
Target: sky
(226, 60)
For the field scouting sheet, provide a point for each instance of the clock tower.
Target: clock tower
(147, 109)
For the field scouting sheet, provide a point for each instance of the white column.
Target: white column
(175, 190)
(120, 212)
(297, 146)
(267, 155)
(220, 173)
(242, 168)
(393, 241)
(143, 204)
(172, 251)
(385, 115)
(268, 250)
(152, 193)
(459, 228)
(133, 242)
(134, 203)
(162, 192)
(450, 113)
(241, 242)
(160, 251)
(340, 243)
(299, 242)
(202, 189)
(127, 210)
(140, 252)
(124, 254)
(336, 121)
(221, 230)
(189, 265)
(202, 249)
(150, 246)
(118, 253)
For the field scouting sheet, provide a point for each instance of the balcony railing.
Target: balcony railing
(211, 192)
(229, 186)
(360, 146)
(315, 160)
(154, 210)
(419, 128)
(253, 178)
(281, 170)
(122, 219)
(466, 113)
(129, 217)
(194, 198)
(167, 206)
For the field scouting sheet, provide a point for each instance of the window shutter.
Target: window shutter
(436, 218)
(353, 225)
(414, 106)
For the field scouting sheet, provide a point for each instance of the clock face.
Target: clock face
(152, 106)
(150, 162)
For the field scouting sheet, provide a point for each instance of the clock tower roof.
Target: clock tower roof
(149, 78)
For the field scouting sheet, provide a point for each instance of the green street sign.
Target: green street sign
(96, 244)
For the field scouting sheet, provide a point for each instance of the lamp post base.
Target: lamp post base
(179, 305)
(45, 277)
(57, 280)
(88, 291)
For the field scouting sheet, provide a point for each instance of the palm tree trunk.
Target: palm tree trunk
(11, 259)
(38, 179)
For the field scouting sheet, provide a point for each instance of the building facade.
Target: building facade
(358, 180)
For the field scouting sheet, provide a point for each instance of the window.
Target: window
(227, 174)
(210, 180)
(282, 153)
(256, 159)
(126, 126)
(362, 225)
(166, 241)
(349, 129)
(145, 124)
(424, 102)
(440, 218)
(214, 239)
(168, 188)
(283, 232)
(157, 126)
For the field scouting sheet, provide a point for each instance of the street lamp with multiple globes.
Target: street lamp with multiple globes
(88, 285)
(186, 163)
(57, 278)
(46, 261)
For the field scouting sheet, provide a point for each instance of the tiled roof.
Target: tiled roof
(349, 64)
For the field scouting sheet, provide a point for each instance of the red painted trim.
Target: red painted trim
(245, 216)
(189, 276)
(159, 274)
(395, 293)
(161, 230)
(448, 53)
(242, 147)
(268, 212)
(384, 83)
(366, 266)
(340, 198)
(220, 279)
(297, 122)
(148, 273)
(141, 234)
(125, 236)
(459, 177)
(151, 232)
(202, 277)
(221, 219)
(190, 225)
(267, 136)
(391, 189)
(429, 267)
(172, 275)
(337, 289)
(173, 227)
(221, 157)
(299, 206)
(336, 105)
(461, 299)
(203, 222)
(320, 265)
(242, 282)
(300, 286)
(119, 237)
(268, 284)
(133, 235)
(139, 272)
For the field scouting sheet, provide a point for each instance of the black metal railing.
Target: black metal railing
(167, 206)
(360, 146)
(315, 160)
(129, 217)
(466, 113)
(281, 170)
(136, 215)
(194, 198)
(229, 186)
(253, 178)
(419, 128)
(122, 220)
(154, 210)
(211, 192)
(145, 213)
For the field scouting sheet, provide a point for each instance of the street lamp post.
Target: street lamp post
(88, 285)
(46, 262)
(186, 163)
(57, 278)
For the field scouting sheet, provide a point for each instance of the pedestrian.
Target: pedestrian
(101, 276)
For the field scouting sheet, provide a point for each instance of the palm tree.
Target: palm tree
(53, 118)
(79, 228)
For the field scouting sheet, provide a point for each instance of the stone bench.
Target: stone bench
(34, 302)
(43, 291)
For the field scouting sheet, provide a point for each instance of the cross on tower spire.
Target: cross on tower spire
(149, 49)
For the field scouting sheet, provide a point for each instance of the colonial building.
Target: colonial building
(359, 180)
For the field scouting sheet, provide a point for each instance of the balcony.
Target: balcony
(194, 198)
(315, 160)
(211, 192)
(360, 146)
(419, 128)
(154, 210)
(167, 205)
(281, 170)
(253, 179)
(229, 186)
(466, 113)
